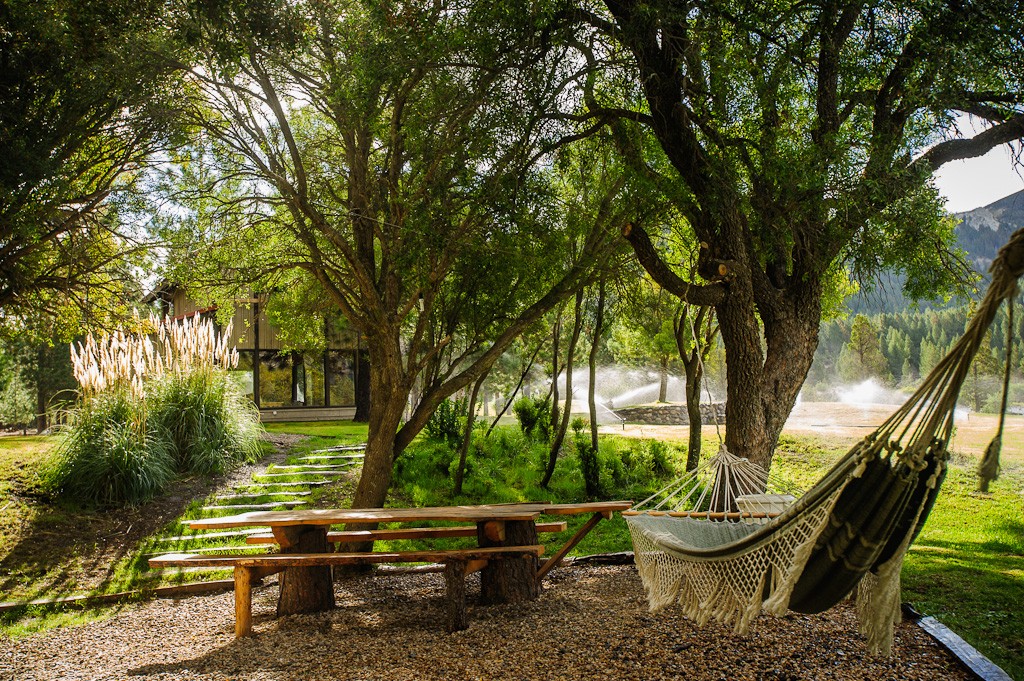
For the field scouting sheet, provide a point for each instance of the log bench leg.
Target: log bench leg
(455, 595)
(243, 601)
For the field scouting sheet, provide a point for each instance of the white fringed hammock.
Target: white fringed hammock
(850, 531)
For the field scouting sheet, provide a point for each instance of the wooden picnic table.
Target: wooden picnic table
(310, 589)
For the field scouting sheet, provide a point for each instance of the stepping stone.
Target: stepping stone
(255, 507)
(210, 549)
(210, 535)
(253, 495)
(297, 473)
(311, 467)
(307, 483)
(344, 457)
(340, 448)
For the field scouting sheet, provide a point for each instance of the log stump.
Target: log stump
(305, 589)
(509, 580)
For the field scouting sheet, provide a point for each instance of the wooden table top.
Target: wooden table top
(338, 516)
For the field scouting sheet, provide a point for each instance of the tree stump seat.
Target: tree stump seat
(249, 569)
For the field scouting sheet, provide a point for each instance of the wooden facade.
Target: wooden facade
(286, 384)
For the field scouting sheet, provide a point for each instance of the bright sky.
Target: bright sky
(978, 181)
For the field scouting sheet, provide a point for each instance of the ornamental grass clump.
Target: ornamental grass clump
(151, 411)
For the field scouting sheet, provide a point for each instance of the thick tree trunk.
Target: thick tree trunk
(386, 411)
(306, 589)
(513, 580)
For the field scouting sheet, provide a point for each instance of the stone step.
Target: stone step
(311, 467)
(255, 507)
(327, 457)
(305, 483)
(340, 448)
(211, 549)
(253, 495)
(210, 535)
(261, 476)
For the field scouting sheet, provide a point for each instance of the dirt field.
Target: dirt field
(844, 424)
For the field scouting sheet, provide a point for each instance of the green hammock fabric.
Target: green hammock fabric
(850, 531)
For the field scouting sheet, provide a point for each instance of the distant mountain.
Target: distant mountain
(982, 232)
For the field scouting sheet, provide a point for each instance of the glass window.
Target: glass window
(242, 374)
(275, 379)
(313, 363)
(342, 378)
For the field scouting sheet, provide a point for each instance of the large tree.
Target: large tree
(83, 88)
(801, 139)
(387, 152)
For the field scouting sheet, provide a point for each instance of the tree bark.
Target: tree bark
(467, 436)
(513, 580)
(563, 424)
(591, 471)
(663, 379)
(306, 589)
(693, 379)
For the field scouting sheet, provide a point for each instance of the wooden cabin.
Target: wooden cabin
(286, 385)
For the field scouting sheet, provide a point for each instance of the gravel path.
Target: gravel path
(590, 623)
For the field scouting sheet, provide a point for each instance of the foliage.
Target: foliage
(448, 421)
(588, 457)
(85, 93)
(108, 455)
(151, 411)
(534, 417)
(862, 357)
(17, 404)
(204, 420)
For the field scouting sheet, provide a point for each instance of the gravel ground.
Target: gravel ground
(590, 623)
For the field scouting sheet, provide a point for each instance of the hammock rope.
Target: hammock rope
(849, 532)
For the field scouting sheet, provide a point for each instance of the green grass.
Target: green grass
(339, 432)
(966, 568)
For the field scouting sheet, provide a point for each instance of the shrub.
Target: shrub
(526, 410)
(534, 417)
(447, 421)
(205, 421)
(106, 454)
(149, 411)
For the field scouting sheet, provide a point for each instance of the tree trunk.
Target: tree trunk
(554, 371)
(513, 580)
(467, 436)
(41, 396)
(663, 379)
(563, 424)
(306, 589)
(386, 410)
(693, 378)
(591, 471)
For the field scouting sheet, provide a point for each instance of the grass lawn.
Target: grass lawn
(966, 568)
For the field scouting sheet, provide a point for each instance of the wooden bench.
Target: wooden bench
(405, 533)
(249, 569)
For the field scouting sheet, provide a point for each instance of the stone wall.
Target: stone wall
(671, 414)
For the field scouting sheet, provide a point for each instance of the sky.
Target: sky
(966, 185)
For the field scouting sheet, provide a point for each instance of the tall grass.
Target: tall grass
(149, 411)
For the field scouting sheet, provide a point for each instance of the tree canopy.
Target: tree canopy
(84, 90)
(801, 138)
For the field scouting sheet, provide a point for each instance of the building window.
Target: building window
(242, 374)
(341, 375)
(276, 376)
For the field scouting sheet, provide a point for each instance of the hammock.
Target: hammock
(852, 529)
